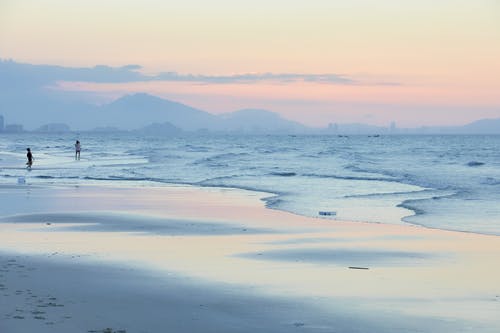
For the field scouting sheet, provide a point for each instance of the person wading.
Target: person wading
(29, 155)
(78, 148)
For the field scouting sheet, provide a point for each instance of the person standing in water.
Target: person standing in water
(78, 148)
(29, 155)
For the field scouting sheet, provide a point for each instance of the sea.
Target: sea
(437, 181)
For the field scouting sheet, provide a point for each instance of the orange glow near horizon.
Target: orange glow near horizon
(291, 99)
(397, 94)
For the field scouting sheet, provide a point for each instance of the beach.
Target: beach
(165, 258)
(250, 167)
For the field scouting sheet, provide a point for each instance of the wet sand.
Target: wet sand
(181, 259)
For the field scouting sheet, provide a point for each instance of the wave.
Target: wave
(123, 178)
(326, 153)
(222, 178)
(381, 179)
(283, 174)
(217, 160)
(55, 177)
(413, 205)
(357, 168)
(475, 163)
(153, 158)
(275, 150)
(10, 176)
(273, 202)
(219, 182)
(237, 187)
(196, 149)
(431, 163)
(490, 181)
(398, 193)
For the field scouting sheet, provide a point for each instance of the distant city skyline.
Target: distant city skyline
(422, 63)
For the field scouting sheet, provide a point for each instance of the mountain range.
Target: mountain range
(150, 114)
(140, 111)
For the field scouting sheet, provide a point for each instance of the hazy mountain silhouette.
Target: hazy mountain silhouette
(151, 114)
(484, 126)
(31, 95)
(255, 120)
(139, 110)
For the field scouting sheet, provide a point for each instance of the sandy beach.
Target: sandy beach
(151, 258)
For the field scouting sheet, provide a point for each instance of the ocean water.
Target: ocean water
(446, 182)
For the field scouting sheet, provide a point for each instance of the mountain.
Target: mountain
(259, 121)
(139, 110)
(34, 109)
(483, 126)
(152, 114)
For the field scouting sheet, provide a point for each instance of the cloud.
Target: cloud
(28, 75)
(255, 78)
(13, 74)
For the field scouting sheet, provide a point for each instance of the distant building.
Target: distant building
(13, 128)
(392, 128)
(1, 123)
(54, 127)
(333, 128)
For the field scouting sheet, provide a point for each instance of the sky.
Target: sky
(413, 62)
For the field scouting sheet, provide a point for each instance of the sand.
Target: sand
(152, 258)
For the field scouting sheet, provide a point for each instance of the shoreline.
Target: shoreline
(238, 250)
(264, 196)
(311, 174)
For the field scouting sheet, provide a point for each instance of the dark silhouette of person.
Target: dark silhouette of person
(78, 148)
(29, 155)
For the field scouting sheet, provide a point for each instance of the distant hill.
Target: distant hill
(151, 114)
(139, 110)
(483, 126)
(147, 113)
(34, 97)
(259, 121)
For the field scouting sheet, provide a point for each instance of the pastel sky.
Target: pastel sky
(414, 62)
